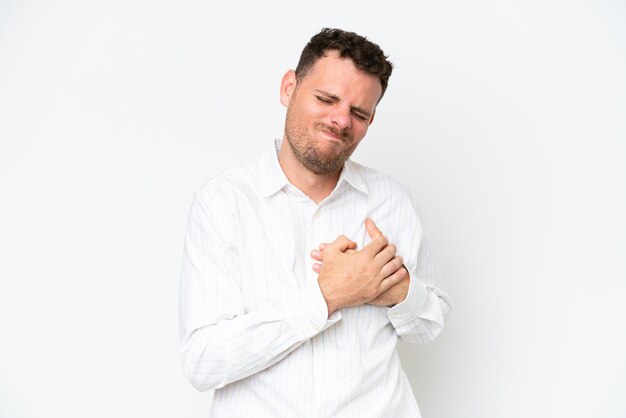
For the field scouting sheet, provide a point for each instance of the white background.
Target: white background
(506, 119)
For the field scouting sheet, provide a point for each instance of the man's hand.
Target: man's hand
(352, 278)
(394, 294)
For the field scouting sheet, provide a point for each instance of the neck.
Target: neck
(316, 186)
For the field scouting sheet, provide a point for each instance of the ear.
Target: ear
(287, 87)
(372, 118)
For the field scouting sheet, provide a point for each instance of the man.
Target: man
(278, 330)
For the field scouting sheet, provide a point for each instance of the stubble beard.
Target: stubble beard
(308, 153)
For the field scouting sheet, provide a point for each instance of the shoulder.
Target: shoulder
(230, 184)
(227, 190)
(383, 185)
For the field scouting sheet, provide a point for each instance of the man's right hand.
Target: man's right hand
(352, 278)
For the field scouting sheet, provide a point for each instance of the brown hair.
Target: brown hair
(366, 55)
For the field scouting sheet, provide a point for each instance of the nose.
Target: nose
(341, 118)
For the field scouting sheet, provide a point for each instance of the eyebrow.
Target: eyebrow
(353, 108)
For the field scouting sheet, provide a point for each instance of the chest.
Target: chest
(279, 233)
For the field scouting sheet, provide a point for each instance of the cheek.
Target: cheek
(308, 115)
(315, 111)
(359, 131)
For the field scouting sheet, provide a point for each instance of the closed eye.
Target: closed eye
(328, 98)
(360, 116)
(324, 99)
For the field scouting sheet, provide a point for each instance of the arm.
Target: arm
(420, 317)
(219, 341)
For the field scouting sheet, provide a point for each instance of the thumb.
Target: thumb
(372, 229)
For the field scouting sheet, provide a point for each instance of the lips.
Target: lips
(333, 133)
(333, 136)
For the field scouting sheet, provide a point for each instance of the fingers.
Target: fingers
(316, 255)
(317, 267)
(391, 267)
(379, 241)
(392, 280)
(319, 255)
(351, 249)
(342, 243)
(375, 246)
(339, 245)
(372, 229)
(385, 255)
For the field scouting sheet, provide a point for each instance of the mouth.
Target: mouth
(332, 136)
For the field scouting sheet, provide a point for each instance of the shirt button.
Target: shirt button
(317, 214)
(317, 326)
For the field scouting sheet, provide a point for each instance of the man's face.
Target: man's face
(328, 112)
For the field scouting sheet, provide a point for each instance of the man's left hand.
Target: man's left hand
(393, 295)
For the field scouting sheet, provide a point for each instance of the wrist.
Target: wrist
(331, 304)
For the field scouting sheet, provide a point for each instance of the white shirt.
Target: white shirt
(254, 324)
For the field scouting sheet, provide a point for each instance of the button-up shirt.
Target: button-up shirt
(254, 325)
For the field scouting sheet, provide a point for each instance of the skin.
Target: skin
(393, 295)
(328, 114)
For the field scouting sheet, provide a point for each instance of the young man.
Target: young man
(278, 330)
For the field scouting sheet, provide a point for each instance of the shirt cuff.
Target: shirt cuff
(407, 310)
(308, 313)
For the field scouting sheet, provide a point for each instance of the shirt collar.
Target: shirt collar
(351, 173)
(273, 177)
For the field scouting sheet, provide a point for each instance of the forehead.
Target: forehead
(340, 77)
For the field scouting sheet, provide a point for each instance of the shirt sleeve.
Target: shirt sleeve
(220, 342)
(421, 316)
